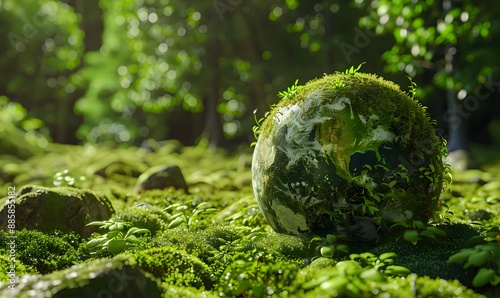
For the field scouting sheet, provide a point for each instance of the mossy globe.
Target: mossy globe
(347, 153)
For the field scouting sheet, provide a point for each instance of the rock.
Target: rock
(479, 215)
(344, 147)
(59, 208)
(117, 277)
(161, 177)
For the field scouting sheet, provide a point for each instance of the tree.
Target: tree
(448, 47)
(41, 45)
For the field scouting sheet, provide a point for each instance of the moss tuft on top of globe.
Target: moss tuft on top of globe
(347, 153)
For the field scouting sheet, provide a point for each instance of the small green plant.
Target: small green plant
(355, 277)
(256, 128)
(485, 256)
(121, 235)
(412, 88)
(182, 215)
(381, 263)
(327, 246)
(415, 229)
(291, 90)
(352, 70)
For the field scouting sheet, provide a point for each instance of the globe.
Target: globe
(347, 153)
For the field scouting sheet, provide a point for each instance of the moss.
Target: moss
(174, 266)
(6, 270)
(41, 252)
(287, 245)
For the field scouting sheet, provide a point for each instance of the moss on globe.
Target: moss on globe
(347, 153)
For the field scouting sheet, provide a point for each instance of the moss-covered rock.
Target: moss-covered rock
(345, 147)
(117, 277)
(161, 177)
(61, 208)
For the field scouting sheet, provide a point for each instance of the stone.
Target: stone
(161, 177)
(347, 148)
(59, 208)
(117, 277)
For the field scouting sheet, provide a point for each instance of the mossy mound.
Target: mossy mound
(39, 252)
(347, 147)
(145, 216)
(175, 267)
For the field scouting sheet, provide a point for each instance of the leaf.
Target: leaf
(418, 224)
(392, 183)
(334, 285)
(135, 230)
(112, 234)
(397, 270)
(373, 209)
(387, 255)
(483, 277)
(176, 222)
(116, 246)
(327, 251)
(427, 233)
(343, 248)
(373, 274)
(477, 259)
(436, 231)
(331, 238)
(460, 256)
(96, 242)
(411, 236)
(96, 223)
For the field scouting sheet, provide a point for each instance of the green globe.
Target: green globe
(347, 153)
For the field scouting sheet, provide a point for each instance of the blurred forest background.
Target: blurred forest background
(76, 71)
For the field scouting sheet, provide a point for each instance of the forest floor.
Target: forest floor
(212, 241)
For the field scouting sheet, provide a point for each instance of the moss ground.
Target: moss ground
(222, 245)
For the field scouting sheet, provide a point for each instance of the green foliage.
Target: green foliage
(352, 278)
(290, 91)
(42, 253)
(6, 268)
(121, 236)
(422, 31)
(181, 214)
(484, 256)
(21, 135)
(42, 42)
(328, 247)
(352, 70)
(416, 229)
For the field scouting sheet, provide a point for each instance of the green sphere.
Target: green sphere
(347, 153)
